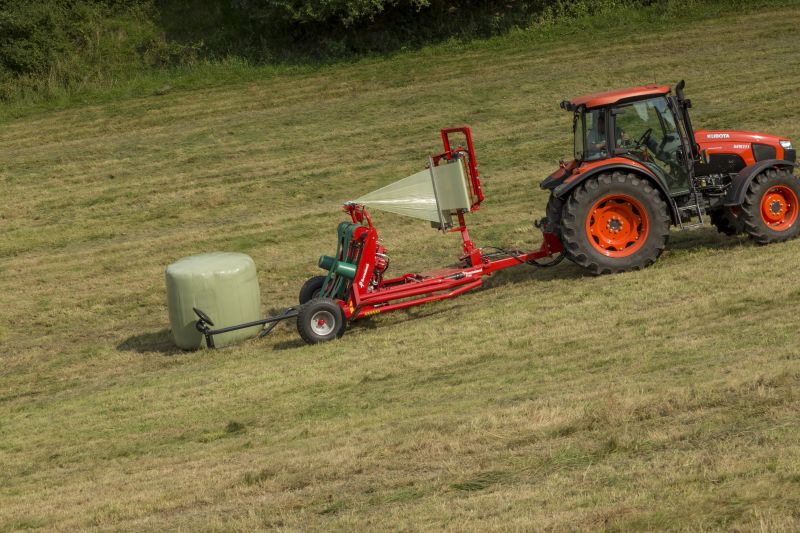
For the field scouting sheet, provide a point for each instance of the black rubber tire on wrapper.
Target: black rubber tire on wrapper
(602, 197)
(320, 320)
(311, 289)
(778, 184)
(726, 222)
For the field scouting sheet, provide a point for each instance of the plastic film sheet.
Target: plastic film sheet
(412, 197)
(416, 196)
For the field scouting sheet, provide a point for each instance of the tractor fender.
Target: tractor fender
(562, 190)
(738, 189)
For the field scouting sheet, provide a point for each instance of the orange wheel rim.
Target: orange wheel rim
(779, 208)
(617, 225)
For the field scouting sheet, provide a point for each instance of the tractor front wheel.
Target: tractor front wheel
(727, 221)
(614, 223)
(770, 209)
(320, 320)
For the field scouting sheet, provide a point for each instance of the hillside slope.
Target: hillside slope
(662, 399)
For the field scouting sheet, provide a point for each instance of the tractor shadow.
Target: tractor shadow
(153, 342)
(707, 238)
(703, 238)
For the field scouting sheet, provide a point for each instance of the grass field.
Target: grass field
(662, 399)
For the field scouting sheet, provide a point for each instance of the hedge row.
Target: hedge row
(48, 45)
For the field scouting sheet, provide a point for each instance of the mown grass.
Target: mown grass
(662, 399)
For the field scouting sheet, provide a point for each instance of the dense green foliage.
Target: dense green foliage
(289, 29)
(51, 49)
(48, 46)
(319, 28)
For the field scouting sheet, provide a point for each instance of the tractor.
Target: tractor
(639, 167)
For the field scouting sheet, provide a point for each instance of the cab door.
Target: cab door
(647, 131)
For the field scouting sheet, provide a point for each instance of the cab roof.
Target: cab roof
(613, 97)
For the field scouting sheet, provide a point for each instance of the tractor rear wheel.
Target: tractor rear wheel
(770, 209)
(555, 206)
(320, 320)
(614, 223)
(727, 222)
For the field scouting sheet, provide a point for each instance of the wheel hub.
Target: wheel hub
(779, 208)
(322, 323)
(617, 225)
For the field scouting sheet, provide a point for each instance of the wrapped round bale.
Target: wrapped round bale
(222, 284)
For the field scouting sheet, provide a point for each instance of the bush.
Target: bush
(269, 30)
(265, 30)
(50, 45)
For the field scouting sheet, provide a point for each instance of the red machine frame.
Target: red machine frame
(364, 299)
(369, 294)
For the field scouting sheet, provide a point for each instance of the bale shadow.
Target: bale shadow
(158, 341)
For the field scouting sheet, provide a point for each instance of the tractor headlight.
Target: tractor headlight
(786, 144)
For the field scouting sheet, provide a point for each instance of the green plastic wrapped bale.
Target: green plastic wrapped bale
(224, 285)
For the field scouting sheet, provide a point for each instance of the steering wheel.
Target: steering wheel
(204, 317)
(645, 136)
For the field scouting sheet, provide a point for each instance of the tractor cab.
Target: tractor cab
(643, 124)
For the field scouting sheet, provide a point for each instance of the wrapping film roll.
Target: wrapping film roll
(431, 194)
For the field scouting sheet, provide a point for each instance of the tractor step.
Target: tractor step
(692, 210)
(689, 227)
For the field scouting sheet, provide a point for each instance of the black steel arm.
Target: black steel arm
(204, 324)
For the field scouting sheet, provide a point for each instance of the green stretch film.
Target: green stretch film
(222, 284)
(414, 196)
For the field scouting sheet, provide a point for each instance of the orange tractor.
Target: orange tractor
(640, 167)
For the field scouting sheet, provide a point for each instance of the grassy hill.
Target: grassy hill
(662, 399)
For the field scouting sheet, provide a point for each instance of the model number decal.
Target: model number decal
(718, 136)
(741, 146)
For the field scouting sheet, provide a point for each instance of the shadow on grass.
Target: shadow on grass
(159, 342)
(564, 270)
(705, 238)
(288, 344)
(701, 239)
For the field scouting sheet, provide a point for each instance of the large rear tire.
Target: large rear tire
(614, 223)
(770, 209)
(555, 207)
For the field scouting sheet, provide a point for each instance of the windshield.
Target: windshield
(590, 135)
